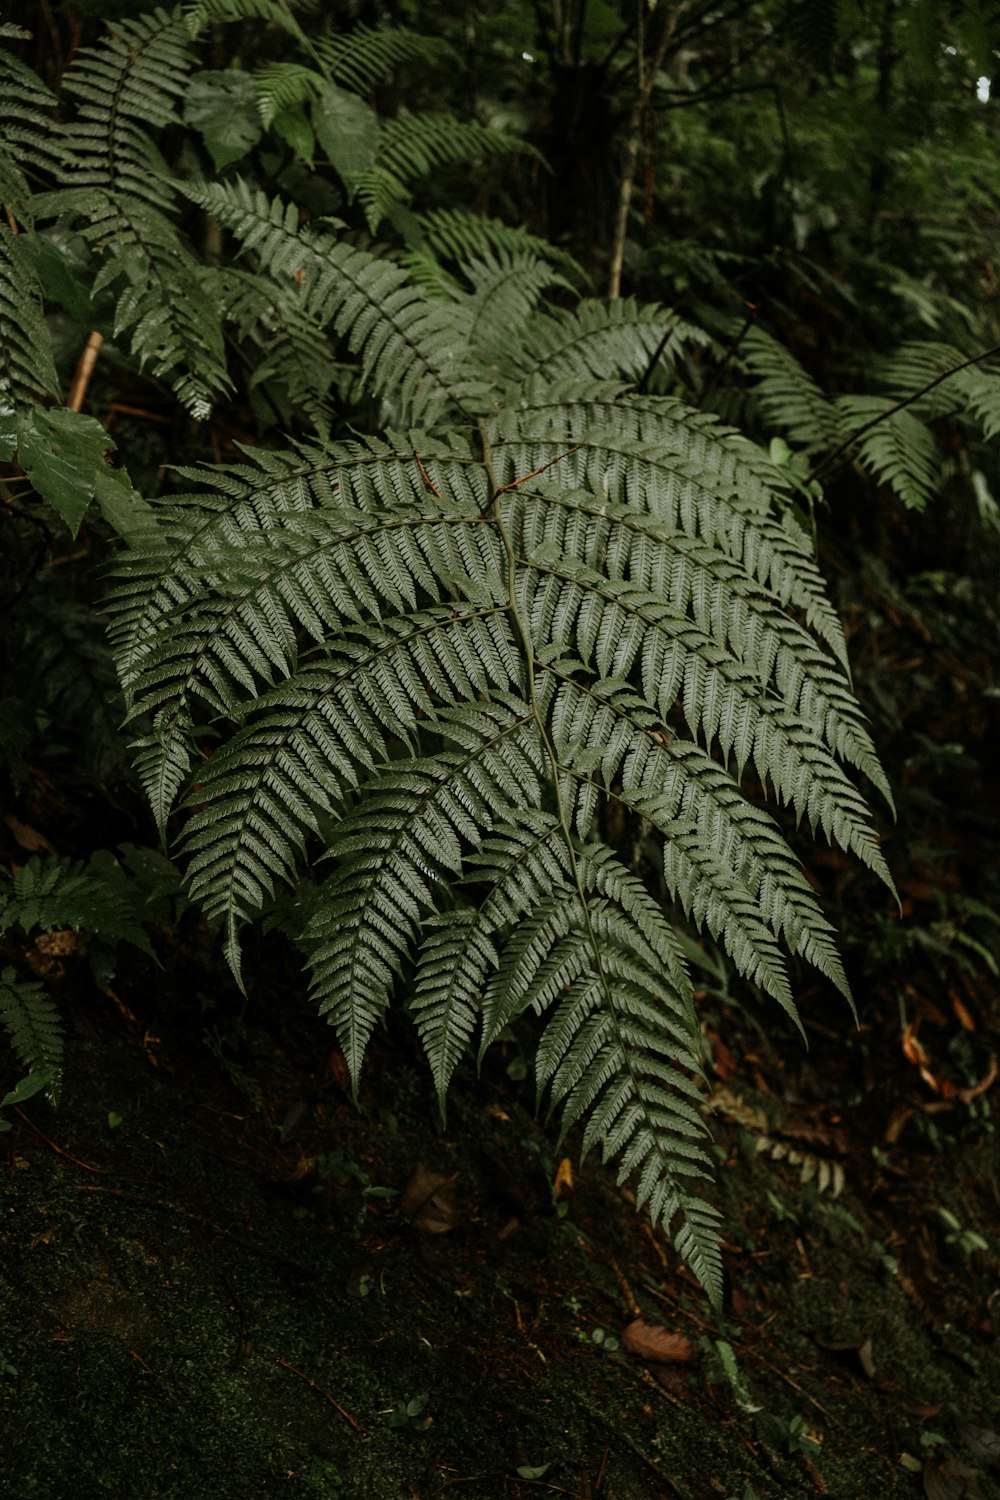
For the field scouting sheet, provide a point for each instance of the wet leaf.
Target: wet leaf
(428, 1201)
(653, 1342)
(948, 1478)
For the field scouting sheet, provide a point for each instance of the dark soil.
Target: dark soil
(214, 1281)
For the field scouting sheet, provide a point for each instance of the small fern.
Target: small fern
(52, 894)
(36, 1034)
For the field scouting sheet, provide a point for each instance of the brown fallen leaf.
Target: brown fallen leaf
(563, 1182)
(29, 838)
(656, 1344)
(949, 1479)
(428, 1201)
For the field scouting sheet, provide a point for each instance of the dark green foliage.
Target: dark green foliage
(32, 1023)
(504, 591)
(52, 894)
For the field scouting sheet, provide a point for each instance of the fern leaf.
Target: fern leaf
(26, 143)
(411, 349)
(898, 448)
(55, 893)
(789, 397)
(440, 657)
(35, 1030)
(27, 367)
(116, 191)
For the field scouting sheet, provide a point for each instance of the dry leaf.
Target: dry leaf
(563, 1179)
(428, 1201)
(29, 838)
(949, 1479)
(653, 1342)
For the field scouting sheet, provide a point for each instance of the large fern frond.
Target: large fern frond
(442, 655)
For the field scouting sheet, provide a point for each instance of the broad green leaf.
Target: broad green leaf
(124, 509)
(295, 131)
(346, 129)
(222, 107)
(33, 1084)
(62, 453)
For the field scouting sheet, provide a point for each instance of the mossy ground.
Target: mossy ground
(202, 1295)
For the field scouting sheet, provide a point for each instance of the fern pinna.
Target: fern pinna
(437, 656)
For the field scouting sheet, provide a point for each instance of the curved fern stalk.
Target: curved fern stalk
(367, 55)
(117, 193)
(201, 13)
(599, 341)
(459, 235)
(415, 145)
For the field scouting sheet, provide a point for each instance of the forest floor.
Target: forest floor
(220, 1277)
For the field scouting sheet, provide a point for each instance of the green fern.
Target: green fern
(442, 655)
(438, 657)
(894, 445)
(25, 133)
(52, 894)
(36, 1034)
(117, 196)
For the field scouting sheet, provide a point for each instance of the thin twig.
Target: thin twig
(58, 1149)
(325, 1394)
(84, 370)
(647, 80)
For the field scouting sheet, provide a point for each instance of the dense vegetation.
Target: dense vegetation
(441, 456)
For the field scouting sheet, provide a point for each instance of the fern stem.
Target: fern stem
(557, 768)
